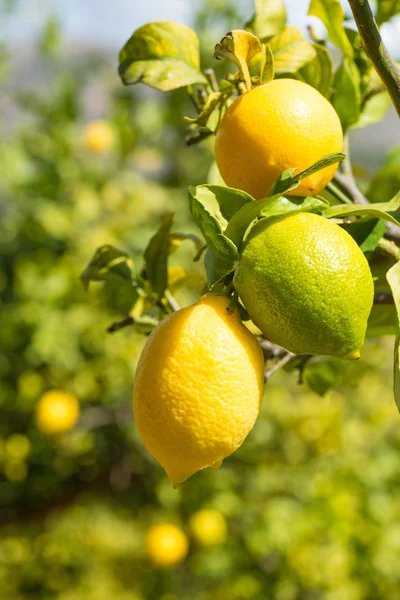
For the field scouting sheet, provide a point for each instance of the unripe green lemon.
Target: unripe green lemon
(306, 284)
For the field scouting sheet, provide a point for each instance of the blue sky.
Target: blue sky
(110, 23)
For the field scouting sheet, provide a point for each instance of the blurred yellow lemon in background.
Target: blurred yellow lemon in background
(57, 412)
(208, 527)
(276, 126)
(99, 137)
(198, 387)
(166, 545)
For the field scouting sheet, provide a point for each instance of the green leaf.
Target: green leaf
(206, 212)
(120, 295)
(269, 18)
(108, 263)
(318, 72)
(267, 70)
(156, 257)
(291, 51)
(242, 220)
(282, 206)
(379, 210)
(163, 55)
(374, 109)
(244, 217)
(386, 10)
(366, 233)
(346, 97)
(217, 268)
(322, 376)
(331, 14)
(393, 277)
(287, 181)
(240, 47)
(229, 200)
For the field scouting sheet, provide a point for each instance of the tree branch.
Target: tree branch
(376, 50)
(278, 365)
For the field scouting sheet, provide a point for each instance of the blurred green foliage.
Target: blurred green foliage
(311, 497)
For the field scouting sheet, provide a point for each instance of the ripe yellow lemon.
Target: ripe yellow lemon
(57, 412)
(306, 284)
(166, 545)
(208, 527)
(98, 136)
(278, 125)
(198, 387)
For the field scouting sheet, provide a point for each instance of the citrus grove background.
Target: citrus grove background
(308, 508)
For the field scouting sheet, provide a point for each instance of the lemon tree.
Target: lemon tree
(306, 506)
(287, 233)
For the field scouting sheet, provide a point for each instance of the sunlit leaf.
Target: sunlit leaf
(318, 72)
(386, 10)
(374, 109)
(282, 206)
(332, 15)
(269, 18)
(240, 47)
(379, 210)
(163, 55)
(346, 97)
(291, 51)
(287, 181)
(267, 69)
(206, 212)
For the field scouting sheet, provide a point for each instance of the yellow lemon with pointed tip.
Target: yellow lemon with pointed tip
(276, 126)
(99, 137)
(166, 545)
(208, 527)
(306, 284)
(57, 412)
(198, 387)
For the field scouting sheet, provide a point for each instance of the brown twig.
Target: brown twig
(120, 324)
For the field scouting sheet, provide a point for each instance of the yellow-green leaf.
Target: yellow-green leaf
(239, 46)
(269, 18)
(291, 51)
(267, 71)
(331, 14)
(163, 55)
(318, 72)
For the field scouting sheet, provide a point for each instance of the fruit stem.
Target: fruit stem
(210, 74)
(376, 50)
(171, 301)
